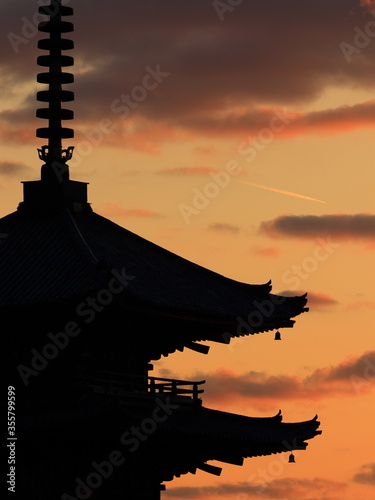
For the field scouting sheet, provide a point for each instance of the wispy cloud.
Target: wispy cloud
(280, 191)
(224, 228)
(369, 4)
(360, 305)
(186, 171)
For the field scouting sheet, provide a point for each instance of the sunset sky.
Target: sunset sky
(241, 136)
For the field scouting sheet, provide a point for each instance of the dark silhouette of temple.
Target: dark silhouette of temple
(86, 306)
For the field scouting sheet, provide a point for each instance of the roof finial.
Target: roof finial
(54, 156)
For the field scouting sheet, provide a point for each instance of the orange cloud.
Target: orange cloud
(13, 134)
(205, 150)
(352, 377)
(314, 298)
(333, 121)
(213, 81)
(369, 4)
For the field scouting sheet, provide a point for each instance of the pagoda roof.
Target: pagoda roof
(230, 438)
(58, 255)
(193, 435)
(53, 257)
(189, 435)
(265, 432)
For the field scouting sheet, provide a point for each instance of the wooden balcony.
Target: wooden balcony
(124, 385)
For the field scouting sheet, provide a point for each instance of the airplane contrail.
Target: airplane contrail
(281, 191)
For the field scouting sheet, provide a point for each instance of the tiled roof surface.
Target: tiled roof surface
(242, 431)
(191, 436)
(49, 257)
(188, 435)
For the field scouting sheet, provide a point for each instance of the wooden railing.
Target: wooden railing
(175, 387)
(120, 383)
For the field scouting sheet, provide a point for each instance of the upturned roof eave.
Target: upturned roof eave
(96, 247)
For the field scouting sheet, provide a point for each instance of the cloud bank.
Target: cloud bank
(336, 226)
(221, 77)
(352, 377)
(291, 488)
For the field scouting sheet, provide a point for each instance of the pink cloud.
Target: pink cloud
(205, 150)
(217, 84)
(265, 251)
(314, 298)
(187, 171)
(352, 377)
(115, 210)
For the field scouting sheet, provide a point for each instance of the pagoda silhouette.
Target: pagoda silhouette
(87, 306)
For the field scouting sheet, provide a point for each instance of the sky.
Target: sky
(239, 134)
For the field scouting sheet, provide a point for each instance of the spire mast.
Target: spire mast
(55, 189)
(54, 156)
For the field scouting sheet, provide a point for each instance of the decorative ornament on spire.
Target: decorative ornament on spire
(54, 156)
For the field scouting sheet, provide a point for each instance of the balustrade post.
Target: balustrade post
(195, 391)
(152, 385)
(174, 387)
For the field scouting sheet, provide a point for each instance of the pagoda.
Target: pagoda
(87, 306)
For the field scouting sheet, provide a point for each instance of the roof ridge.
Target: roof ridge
(74, 230)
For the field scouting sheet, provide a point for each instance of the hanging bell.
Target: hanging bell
(277, 336)
(291, 459)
